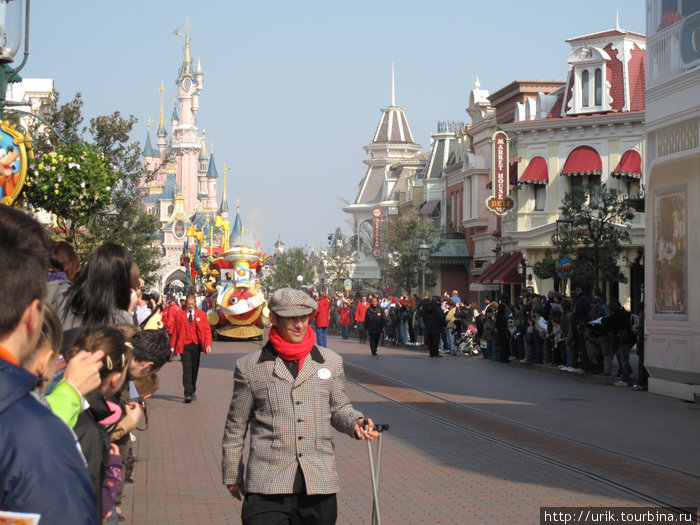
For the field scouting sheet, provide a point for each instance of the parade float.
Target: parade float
(226, 278)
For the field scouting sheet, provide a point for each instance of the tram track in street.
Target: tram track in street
(654, 483)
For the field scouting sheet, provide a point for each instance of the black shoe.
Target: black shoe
(374, 353)
(188, 399)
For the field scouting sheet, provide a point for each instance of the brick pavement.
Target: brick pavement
(431, 472)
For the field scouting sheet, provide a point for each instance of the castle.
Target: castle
(182, 191)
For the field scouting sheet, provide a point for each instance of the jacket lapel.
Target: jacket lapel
(308, 369)
(281, 371)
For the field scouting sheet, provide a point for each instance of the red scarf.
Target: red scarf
(293, 351)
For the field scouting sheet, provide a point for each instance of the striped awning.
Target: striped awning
(536, 172)
(630, 165)
(584, 160)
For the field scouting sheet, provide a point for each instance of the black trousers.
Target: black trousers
(190, 368)
(362, 332)
(292, 509)
(433, 342)
(374, 342)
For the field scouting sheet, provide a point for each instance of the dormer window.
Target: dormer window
(588, 91)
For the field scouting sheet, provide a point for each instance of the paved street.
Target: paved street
(471, 441)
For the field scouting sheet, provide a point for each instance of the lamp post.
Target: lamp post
(423, 256)
(300, 279)
(564, 225)
(10, 38)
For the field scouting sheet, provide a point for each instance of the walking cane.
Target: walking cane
(374, 473)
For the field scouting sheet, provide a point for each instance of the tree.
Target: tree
(601, 219)
(336, 265)
(290, 264)
(404, 235)
(115, 213)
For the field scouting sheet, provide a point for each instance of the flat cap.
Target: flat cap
(288, 302)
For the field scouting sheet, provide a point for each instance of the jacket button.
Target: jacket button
(300, 454)
(298, 403)
(301, 437)
(300, 420)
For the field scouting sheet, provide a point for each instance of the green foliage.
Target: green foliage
(290, 264)
(545, 269)
(115, 213)
(75, 183)
(601, 221)
(401, 267)
(335, 266)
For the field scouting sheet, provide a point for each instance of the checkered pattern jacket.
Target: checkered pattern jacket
(290, 422)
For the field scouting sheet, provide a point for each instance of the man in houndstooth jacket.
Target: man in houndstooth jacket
(289, 394)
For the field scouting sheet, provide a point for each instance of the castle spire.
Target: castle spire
(161, 123)
(186, 69)
(148, 150)
(223, 209)
(393, 86)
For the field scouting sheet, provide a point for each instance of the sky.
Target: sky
(293, 90)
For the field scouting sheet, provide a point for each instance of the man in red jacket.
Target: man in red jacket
(360, 313)
(322, 317)
(191, 336)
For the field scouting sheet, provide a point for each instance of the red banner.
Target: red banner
(499, 202)
(376, 233)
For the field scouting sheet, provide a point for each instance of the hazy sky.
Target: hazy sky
(293, 90)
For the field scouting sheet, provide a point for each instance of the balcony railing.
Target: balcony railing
(452, 232)
(664, 55)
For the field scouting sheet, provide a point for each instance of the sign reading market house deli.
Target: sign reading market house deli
(376, 233)
(499, 202)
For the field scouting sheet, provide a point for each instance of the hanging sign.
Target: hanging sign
(564, 267)
(499, 202)
(13, 162)
(347, 284)
(377, 233)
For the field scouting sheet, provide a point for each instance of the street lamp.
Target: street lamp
(300, 279)
(423, 256)
(564, 225)
(10, 38)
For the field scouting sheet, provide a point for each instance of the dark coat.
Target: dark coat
(94, 441)
(433, 318)
(41, 470)
(375, 319)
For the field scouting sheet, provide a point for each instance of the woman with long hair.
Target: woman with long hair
(101, 294)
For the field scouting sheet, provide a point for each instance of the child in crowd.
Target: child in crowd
(93, 437)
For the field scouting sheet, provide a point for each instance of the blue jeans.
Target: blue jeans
(495, 350)
(321, 336)
(345, 330)
(623, 356)
(570, 354)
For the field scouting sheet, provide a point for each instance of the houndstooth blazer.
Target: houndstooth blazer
(290, 422)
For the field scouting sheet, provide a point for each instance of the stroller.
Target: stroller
(466, 343)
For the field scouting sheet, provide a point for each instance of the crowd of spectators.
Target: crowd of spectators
(75, 372)
(583, 334)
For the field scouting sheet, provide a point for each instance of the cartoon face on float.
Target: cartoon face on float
(241, 306)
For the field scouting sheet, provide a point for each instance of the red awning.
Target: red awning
(630, 165)
(504, 270)
(536, 172)
(584, 160)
